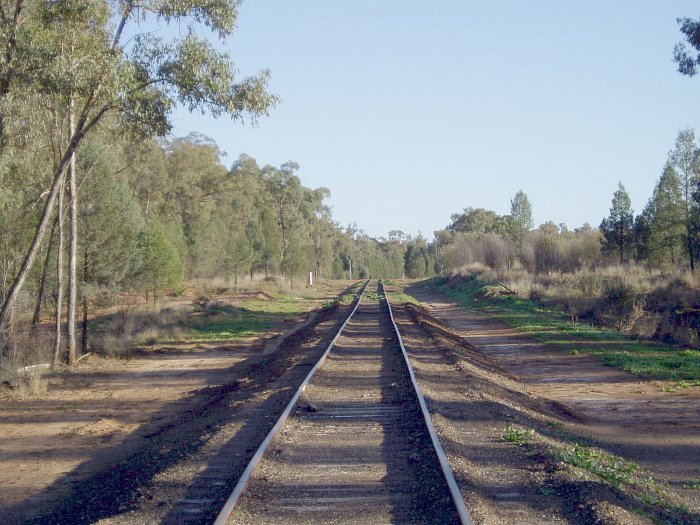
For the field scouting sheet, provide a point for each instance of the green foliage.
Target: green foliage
(520, 221)
(73, 62)
(229, 323)
(479, 221)
(685, 159)
(693, 485)
(417, 259)
(517, 435)
(161, 265)
(617, 228)
(613, 469)
(665, 219)
(688, 60)
(246, 325)
(373, 296)
(109, 219)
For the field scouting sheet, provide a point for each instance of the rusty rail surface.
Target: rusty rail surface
(238, 490)
(444, 465)
(461, 510)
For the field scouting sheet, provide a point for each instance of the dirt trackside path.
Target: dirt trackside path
(112, 438)
(620, 412)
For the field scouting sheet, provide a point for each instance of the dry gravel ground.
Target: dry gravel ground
(356, 450)
(141, 441)
(507, 378)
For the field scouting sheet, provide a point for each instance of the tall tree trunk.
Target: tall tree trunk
(82, 127)
(73, 281)
(59, 283)
(84, 342)
(42, 279)
(691, 255)
(84, 326)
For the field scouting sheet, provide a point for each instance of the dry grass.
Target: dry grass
(27, 363)
(632, 298)
(147, 325)
(31, 382)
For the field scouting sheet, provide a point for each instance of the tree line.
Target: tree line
(152, 214)
(72, 70)
(665, 235)
(91, 203)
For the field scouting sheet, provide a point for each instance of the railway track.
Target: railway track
(355, 444)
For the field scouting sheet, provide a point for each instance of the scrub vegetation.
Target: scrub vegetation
(545, 322)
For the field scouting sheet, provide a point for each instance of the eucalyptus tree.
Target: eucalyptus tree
(320, 229)
(479, 221)
(417, 260)
(251, 215)
(687, 60)
(197, 189)
(145, 167)
(138, 80)
(287, 195)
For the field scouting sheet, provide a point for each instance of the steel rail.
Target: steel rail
(230, 504)
(464, 516)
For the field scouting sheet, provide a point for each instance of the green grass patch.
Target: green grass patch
(395, 293)
(222, 323)
(351, 294)
(643, 358)
(247, 324)
(373, 296)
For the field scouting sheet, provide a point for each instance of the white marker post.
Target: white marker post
(311, 278)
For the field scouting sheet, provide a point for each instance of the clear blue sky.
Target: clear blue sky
(409, 111)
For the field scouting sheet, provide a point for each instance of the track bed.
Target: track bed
(356, 449)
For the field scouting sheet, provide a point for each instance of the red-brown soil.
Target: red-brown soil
(103, 411)
(617, 411)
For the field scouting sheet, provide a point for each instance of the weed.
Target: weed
(396, 295)
(374, 296)
(693, 485)
(555, 424)
(517, 435)
(681, 385)
(613, 469)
